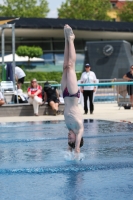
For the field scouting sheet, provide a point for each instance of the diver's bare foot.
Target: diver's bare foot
(69, 33)
(71, 37)
(65, 34)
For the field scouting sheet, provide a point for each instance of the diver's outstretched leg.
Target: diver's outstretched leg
(66, 50)
(71, 75)
(66, 56)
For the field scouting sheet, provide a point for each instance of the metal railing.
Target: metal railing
(112, 91)
(105, 93)
(108, 90)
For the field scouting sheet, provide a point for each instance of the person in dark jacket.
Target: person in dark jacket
(129, 77)
(51, 95)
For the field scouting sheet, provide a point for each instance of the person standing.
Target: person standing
(35, 95)
(19, 76)
(88, 77)
(129, 77)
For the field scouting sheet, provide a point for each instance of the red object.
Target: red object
(34, 90)
(118, 3)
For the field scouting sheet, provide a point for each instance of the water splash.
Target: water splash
(70, 156)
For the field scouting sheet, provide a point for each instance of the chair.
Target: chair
(7, 87)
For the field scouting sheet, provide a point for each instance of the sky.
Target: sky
(53, 5)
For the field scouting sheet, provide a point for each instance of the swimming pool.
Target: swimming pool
(34, 164)
(105, 99)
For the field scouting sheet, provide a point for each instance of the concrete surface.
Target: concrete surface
(105, 111)
(26, 109)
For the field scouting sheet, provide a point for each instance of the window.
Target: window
(46, 46)
(79, 45)
(58, 45)
(8, 47)
(59, 59)
(113, 5)
(79, 61)
(48, 58)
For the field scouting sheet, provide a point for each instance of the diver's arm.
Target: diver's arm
(78, 140)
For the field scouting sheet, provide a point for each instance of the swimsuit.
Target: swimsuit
(66, 94)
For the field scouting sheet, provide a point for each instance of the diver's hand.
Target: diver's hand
(76, 156)
(77, 150)
(76, 153)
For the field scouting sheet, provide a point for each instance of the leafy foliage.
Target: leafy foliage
(85, 9)
(41, 76)
(29, 51)
(44, 76)
(24, 8)
(126, 12)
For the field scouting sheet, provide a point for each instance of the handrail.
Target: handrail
(42, 81)
(109, 83)
(99, 84)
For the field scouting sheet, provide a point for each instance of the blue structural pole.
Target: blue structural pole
(13, 52)
(2, 44)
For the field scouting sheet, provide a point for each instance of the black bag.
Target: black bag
(20, 100)
(127, 106)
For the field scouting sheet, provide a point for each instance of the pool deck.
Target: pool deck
(106, 111)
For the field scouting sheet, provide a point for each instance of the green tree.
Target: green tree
(31, 52)
(85, 9)
(24, 8)
(126, 12)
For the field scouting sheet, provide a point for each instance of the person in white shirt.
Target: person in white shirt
(88, 77)
(19, 76)
(1, 99)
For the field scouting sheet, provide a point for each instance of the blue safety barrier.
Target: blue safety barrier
(100, 84)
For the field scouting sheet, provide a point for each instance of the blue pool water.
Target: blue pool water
(34, 164)
(105, 98)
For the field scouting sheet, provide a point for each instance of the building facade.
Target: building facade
(48, 34)
(115, 6)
